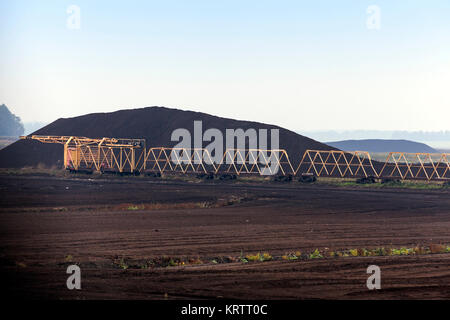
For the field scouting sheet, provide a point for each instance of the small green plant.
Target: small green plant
(242, 258)
(316, 254)
(172, 263)
(406, 251)
(259, 257)
(380, 251)
(364, 252)
(133, 208)
(255, 257)
(291, 256)
(122, 264)
(266, 256)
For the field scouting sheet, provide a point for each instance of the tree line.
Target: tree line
(10, 124)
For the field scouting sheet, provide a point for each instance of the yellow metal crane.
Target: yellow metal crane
(102, 154)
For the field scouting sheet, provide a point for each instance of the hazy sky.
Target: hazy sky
(303, 65)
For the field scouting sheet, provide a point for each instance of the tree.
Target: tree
(10, 124)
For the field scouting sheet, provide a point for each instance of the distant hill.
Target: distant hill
(155, 124)
(380, 145)
(339, 135)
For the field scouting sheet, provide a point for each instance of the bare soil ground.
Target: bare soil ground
(48, 223)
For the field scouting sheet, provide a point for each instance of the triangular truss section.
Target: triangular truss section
(336, 163)
(425, 166)
(255, 161)
(184, 160)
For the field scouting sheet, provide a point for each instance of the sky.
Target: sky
(303, 65)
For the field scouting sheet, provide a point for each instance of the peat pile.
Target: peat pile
(155, 124)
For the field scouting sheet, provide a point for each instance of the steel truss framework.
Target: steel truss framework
(182, 160)
(416, 165)
(98, 153)
(130, 155)
(235, 161)
(337, 163)
(399, 165)
(256, 161)
(101, 158)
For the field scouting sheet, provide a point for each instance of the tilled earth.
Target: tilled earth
(48, 223)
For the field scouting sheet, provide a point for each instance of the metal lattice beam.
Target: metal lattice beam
(131, 155)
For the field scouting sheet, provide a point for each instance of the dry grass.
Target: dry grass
(408, 184)
(160, 206)
(231, 200)
(437, 248)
